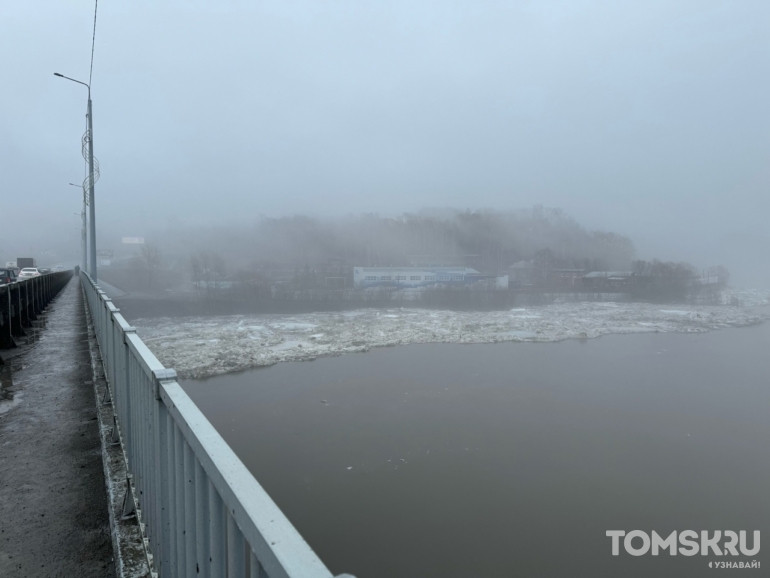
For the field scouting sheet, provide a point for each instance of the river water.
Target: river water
(510, 459)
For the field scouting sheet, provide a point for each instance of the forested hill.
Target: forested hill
(487, 240)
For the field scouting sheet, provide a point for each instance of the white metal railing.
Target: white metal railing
(204, 513)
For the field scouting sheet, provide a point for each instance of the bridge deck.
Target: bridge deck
(53, 504)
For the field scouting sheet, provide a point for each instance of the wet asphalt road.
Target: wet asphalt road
(53, 503)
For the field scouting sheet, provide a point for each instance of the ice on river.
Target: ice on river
(205, 346)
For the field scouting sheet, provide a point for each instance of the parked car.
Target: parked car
(28, 272)
(7, 275)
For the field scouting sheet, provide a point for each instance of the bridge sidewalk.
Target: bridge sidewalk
(53, 503)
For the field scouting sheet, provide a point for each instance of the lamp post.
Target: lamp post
(91, 204)
(83, 260)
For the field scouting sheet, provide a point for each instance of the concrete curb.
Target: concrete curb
(127, 537)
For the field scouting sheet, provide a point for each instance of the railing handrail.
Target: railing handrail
(160, 424)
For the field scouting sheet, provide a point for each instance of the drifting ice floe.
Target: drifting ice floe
(205, 346)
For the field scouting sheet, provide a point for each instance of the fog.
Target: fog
(645, 119)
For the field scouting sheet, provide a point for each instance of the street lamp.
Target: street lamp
(91, 204)
(83, 227)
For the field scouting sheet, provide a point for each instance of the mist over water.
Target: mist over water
(508, 459)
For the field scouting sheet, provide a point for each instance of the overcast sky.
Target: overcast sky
(647, 118)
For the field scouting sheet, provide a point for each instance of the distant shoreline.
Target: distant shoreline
(188, 305)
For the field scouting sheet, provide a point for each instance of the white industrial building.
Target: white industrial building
(423, 277)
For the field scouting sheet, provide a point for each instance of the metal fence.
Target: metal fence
(204, 513)
(22, 301)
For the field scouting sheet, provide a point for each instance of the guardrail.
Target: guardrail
(22, 301)
(204, 514)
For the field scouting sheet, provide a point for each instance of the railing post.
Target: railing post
(218, 533)
(124, 404)
(160, 525)
(236, 549)
(188, 471)
(178, 497)
(202, 523)
(168, 530)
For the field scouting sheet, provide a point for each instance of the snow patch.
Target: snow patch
(7, 405)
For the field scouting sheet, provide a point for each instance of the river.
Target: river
(509, 459)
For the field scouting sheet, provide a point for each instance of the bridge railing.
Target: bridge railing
(22, 301)
(204, 513)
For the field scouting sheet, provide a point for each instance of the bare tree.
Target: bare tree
(150, 257)
(207, 270)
